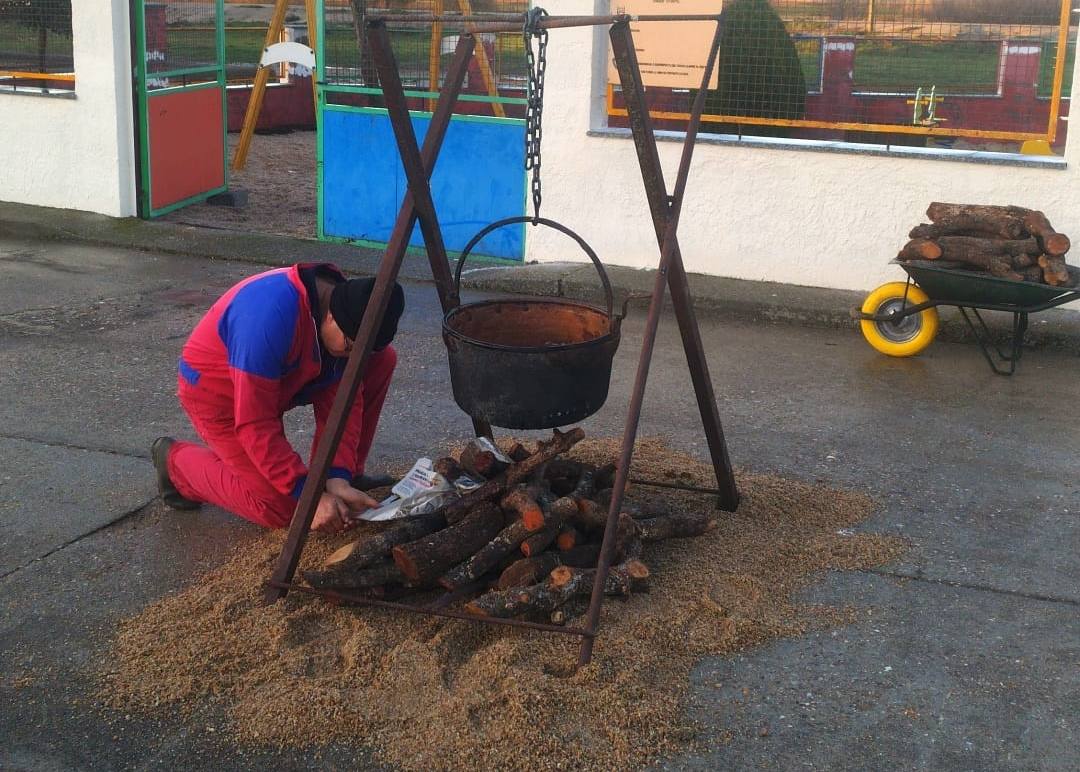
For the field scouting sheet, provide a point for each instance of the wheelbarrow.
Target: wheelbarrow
(900, 318)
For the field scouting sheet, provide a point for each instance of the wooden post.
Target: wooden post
(312, 37)
(254, 106)
(482, 60)
(435, 55)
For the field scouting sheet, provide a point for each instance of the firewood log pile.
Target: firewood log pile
(525, 543)
(1005, 241)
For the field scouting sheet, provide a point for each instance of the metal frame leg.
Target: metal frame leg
(416, 203)
(666, 212)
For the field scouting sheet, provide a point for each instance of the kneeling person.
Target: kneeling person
(274, 341)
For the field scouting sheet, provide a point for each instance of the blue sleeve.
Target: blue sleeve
(258, 326)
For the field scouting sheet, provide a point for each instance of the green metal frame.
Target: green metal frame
(322, 89)
(144, 94)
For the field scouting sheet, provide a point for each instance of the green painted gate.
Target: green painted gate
(181, 115)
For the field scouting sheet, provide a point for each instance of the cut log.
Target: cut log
(675, 526)
(542, 598)
(938, 212)
(622, 579)
(514, 474)
(568, 537)
(958, 247)
(487, 557)
(368, 551)
(1002, 226)
(539, 541)
(425, 559)
(478, 460)
(531, 570)
(1033, 274)
(919, 249)
(1055, 273)
(526, 508)
(563, 584)
(1052, 242)
(381, 574)
(448, 468)
(589, 516)
(979, 253)
(605, 476)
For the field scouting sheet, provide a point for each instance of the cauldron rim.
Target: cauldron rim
(612, 334)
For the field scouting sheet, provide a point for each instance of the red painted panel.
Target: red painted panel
(187, 154)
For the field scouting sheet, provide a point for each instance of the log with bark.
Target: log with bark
(1055, 273)
(1052, 242)
(378, 575)
(919, 249)
(531, 570)
(675, 526)
(479, 460)
(506, 541)
(563, 584)
(568, 537)
(1003, 227)
(424, 560)
(370, 550)
(514, 474)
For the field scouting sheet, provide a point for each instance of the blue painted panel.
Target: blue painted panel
(479, 177)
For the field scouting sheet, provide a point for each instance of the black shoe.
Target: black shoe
(369, 482)
(159, 452)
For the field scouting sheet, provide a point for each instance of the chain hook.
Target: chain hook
(537, 65)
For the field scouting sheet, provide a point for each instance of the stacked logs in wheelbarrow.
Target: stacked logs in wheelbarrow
(523, 544)
(1005, 241)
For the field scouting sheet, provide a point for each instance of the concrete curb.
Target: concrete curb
(714, 297)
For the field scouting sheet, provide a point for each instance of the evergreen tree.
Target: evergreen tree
(759, 70)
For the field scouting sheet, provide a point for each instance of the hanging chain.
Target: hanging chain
(534, 110)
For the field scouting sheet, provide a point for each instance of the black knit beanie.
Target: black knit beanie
(349, 300)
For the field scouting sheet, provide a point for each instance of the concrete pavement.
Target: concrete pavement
(965, 655)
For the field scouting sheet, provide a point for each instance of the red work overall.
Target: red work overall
(255, 355)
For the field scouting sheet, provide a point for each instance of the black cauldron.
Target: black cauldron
(531, 364)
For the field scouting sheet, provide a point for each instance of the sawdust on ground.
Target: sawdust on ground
(429, 693)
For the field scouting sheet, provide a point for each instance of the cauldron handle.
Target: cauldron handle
(537, 221)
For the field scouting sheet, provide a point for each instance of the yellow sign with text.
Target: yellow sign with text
(671, 54)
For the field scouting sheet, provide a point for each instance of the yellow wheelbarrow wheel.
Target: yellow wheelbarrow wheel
(906, 336)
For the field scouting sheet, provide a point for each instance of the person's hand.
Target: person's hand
(331, 516)
(356, 500)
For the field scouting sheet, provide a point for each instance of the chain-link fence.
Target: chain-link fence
(495, 84)
(182, 42)
(973, 73)
(36, 45)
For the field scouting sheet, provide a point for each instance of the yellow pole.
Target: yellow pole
(870, 15)
(1059, 70)
(435, 54)
(482, 60)
(313, 42)
(251, 117)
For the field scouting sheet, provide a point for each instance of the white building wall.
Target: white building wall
(77, 153)
(815, 218)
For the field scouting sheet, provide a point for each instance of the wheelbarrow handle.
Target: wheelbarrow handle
(609, 297)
